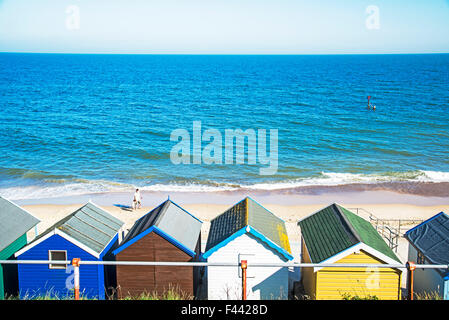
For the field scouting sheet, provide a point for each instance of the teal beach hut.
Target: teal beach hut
(15, 222)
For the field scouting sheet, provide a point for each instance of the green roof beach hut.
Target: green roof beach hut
(336, 235)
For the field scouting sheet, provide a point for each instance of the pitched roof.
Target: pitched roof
(334, 229)
(169, 221)
(14, 222)
(90, 225)
(262, 223)
(431, 238)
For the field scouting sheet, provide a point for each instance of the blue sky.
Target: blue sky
(223, 26)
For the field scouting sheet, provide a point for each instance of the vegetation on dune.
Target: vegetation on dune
(173, 293)
(434, 295)
(347, 296)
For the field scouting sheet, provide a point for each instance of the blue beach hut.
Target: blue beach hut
(429, 244)
(88, 233)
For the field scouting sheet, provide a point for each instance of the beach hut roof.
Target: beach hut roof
(90, 227)
(431, 238)
(248, 216)
(334, 230)
(171, 222)
(14, 222)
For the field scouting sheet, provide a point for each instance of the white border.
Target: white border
(63, 235)
(356, 248)
(57, 266)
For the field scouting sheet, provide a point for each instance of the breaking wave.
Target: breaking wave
(56, 186)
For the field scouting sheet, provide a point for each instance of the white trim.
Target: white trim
(380, 255)
(77, 243)
(357, 248)
(57, 266)
(34, 243)
(348, 251)
(66, 236)
(273, 245)
(63, 235)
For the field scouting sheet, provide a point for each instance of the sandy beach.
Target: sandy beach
(208, 206)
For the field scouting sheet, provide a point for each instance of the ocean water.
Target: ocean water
(74, 124)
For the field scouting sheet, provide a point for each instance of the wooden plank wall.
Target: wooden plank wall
(135, 280)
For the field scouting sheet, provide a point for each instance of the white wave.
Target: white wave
(435, 176)
(336, 179)
(63, 190)
(192, 187)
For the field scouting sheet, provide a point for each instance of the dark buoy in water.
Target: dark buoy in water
(369, 105)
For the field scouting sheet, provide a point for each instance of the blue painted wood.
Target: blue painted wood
(40, 280)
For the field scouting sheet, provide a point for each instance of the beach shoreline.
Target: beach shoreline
(354, 193)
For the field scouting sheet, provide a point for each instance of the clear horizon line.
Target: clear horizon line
(223, 54)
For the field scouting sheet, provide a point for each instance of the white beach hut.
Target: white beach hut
(247, 231)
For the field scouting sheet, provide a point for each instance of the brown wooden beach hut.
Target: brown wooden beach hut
(167, 233)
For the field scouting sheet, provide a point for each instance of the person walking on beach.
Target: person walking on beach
(137, 201)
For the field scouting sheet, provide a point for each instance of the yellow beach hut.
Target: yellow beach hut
(336, 235)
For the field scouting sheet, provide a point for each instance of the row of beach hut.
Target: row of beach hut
(246, 231)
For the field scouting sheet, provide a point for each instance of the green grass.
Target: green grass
(173, 293)
(347, 296)
(49, 295)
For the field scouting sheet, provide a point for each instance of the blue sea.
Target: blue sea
(76, 124)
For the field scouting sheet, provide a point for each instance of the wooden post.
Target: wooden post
(76, 272)
(410, 268)
(244, 266)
